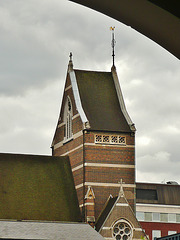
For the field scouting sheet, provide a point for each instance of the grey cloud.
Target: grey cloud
(35, 40)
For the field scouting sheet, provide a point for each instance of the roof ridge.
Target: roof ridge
(96, 71)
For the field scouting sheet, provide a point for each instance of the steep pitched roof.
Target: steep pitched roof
(100, 101)
(37, 188)
(47, 230)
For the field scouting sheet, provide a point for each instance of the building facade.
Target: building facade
(158, 208)
(96, 132)
(91, 175)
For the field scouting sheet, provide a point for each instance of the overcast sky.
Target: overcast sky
(35, 40)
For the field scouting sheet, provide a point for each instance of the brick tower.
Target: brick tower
(96, 132)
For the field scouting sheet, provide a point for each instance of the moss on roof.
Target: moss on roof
(100, 101)
(37, 188)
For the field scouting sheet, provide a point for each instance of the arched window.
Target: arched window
(122, 230)
(68, 119)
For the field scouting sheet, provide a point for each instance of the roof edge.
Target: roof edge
(121, 99)
(77, 98)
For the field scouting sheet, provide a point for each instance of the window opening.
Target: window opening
(172, 232)
(110, 139)
(148, 216)
(164, 217)
(146, 194)
(171, 217)
(156, 234)
(156, 216)
(140, 216)
(68, 119)
(178, 218)
(122, 230)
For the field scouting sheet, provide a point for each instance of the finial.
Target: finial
(121, 191)
(70, 65)
(113, 43)
(70, 56)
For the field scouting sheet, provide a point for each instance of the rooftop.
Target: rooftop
(100, 101)
(36, 187)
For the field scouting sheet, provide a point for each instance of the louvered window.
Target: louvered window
(110, 139)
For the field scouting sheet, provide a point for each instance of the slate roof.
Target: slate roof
(165, 194)
(100, 101)
(47, 230)
(104, 213)
(36, 187)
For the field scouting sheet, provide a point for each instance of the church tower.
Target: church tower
(96, 132)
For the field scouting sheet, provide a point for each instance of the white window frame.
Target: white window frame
(145, 216)
(171, 232)
(162, 220)
(154, 218)
(172, 214)
(156, 234)
(140, 216)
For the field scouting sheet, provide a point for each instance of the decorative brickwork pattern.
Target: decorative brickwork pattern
(109, 139)
(112, 152)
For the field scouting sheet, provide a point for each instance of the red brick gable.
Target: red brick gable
(120, 220)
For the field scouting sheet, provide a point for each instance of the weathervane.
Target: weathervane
(113, 43)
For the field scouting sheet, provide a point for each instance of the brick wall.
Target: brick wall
(116, 161)
(163, 227)
(74, 147)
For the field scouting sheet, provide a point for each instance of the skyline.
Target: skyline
(35, 41)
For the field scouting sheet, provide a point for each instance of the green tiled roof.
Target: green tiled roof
(100, 101)
(37, 188)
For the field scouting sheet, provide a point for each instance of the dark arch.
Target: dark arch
(159, 20)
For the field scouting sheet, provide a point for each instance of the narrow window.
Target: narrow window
(178, 218)
(68, 119)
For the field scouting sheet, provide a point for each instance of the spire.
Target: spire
(70, 65)
(113, 44)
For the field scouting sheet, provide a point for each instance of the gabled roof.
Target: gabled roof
(118, 210)
(166, 194)
(35, 187)
(99, 100)
(47, 230)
